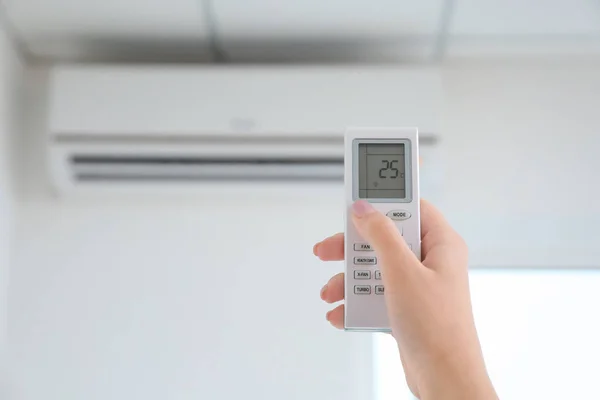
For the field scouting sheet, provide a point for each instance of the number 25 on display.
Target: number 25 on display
(389, 166)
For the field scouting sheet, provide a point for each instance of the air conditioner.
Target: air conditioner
(163, 126)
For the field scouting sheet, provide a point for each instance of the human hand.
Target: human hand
(428, 303)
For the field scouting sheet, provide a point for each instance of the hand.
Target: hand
(428, 303)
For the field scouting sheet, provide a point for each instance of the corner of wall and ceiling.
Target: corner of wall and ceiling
(13, 35)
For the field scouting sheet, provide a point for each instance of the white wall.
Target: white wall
(213, 298)
(521, 154)
(218, 297)
(537, 330)
(10, 70)
(178, 300)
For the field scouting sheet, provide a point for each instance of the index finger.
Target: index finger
(330, 249)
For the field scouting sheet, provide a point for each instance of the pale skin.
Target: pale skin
(428, 303)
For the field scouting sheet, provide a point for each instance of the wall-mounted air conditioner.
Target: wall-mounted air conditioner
(173, 126)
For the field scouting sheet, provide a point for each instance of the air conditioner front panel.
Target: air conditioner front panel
(179, 100)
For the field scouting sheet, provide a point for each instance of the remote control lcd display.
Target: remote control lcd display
(381, 171)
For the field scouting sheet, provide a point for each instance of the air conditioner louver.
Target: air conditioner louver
(91, 168)
(85, 160)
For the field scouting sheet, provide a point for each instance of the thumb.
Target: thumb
(393, 254)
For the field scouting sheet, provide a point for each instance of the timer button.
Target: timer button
(398, 215)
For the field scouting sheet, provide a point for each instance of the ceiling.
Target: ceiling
(302, 30)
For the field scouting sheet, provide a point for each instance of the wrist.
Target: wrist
(462, 377)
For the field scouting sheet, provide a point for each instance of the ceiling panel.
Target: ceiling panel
(318, 19)
(526, 17)
(61, 27)
(333, 30)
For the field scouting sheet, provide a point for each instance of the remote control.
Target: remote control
(382, 167)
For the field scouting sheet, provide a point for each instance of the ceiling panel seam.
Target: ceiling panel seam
(441, 42)
(210, 19)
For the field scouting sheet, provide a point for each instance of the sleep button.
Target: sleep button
(398, 215)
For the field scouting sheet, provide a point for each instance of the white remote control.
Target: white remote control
(381, 167)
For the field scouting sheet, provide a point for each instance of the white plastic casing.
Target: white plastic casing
(367, 311)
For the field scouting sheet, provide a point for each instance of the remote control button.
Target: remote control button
(362, 289)
(362, 274)
(378, 275)
(362, 247)
(365, 260)
(398, 215)
(379, 289)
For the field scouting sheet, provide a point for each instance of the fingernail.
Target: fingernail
(323, 290)
(316, 249)
(362, 208)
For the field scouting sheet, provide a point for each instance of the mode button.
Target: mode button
(398, 215)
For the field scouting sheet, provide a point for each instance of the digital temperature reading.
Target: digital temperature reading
(381, 171)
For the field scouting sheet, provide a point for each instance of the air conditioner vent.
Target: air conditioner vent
(188, 168)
